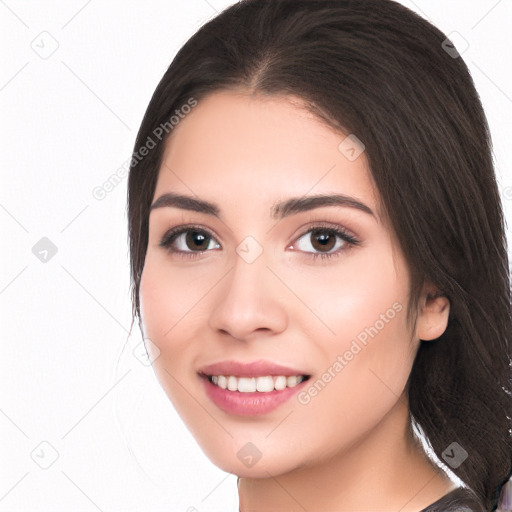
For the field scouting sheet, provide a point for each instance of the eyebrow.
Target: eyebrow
(279, 210)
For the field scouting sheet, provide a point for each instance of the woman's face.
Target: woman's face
(251, 281)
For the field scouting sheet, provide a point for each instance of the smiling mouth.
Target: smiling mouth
(263, 384)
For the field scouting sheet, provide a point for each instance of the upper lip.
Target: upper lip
(251, 369)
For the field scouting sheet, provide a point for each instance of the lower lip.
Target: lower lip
(249, 404)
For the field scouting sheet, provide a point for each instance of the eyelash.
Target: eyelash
(174, 233)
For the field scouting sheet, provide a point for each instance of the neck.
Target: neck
(386, 470)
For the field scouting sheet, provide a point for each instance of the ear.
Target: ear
(433, 313)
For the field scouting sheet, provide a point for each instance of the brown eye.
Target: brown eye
(197, 240)
(324, 241)
(188, 240)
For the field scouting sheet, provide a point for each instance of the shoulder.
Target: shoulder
(458, 500)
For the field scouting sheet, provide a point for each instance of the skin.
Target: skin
(349, 448)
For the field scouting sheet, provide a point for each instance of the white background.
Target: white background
(69, 122)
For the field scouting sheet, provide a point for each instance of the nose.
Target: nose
(249, 302)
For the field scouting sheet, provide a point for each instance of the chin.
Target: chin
(244, 459)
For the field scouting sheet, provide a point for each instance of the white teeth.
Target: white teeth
(232, 383)
(246, 384)
(265, 384)
(250, 384)
(291, 381)
(280, 382)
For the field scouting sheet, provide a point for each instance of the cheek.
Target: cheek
(368, 351)
(169, 297)
(166, 306)
(361, 382)
(364, 290)
(169, 305)
(174, 308)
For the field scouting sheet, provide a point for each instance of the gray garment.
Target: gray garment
(458, 500)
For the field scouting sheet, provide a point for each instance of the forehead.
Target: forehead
(261, 148)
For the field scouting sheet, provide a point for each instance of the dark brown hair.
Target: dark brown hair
(378, 70)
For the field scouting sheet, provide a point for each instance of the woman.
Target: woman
(318, 256)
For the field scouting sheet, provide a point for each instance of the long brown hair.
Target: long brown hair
(378, 70)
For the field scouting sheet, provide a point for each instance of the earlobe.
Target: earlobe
(433, 314)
